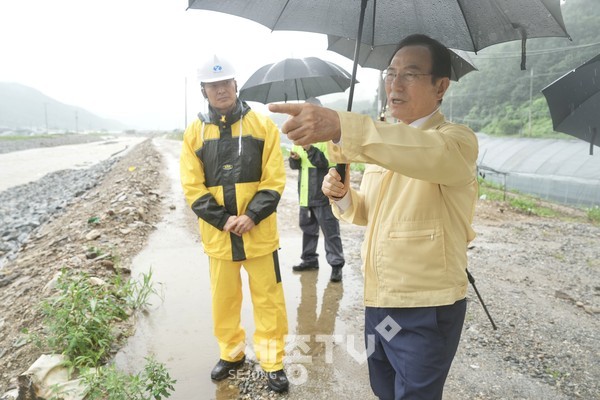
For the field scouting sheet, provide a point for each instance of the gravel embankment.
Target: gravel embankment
(26, 207)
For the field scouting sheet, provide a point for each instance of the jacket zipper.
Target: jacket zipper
(413, 234)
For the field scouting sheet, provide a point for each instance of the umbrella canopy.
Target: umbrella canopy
(295, 79)
(574, 102)
(460, 24)
(378, 57)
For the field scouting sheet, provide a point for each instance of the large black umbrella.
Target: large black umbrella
(378, 57)
(574, 102)
(461, 24)
(295, 79)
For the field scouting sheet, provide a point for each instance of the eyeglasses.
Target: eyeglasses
(405, 77)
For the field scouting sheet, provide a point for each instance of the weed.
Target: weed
(79, 318)
(136, 293)
(108, 383)
(593, 214)
(79, 323)
(556, 375)
(95, 250)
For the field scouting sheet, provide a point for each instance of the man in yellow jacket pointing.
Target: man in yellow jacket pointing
(417, 199)
(232, 174)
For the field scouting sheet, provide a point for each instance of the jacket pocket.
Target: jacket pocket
(411, 258)
(422, 234)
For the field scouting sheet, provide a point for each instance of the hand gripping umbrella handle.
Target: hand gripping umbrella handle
(341, 169)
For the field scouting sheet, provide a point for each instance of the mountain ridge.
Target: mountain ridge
(24, 108)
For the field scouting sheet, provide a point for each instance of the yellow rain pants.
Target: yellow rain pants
(270, 317)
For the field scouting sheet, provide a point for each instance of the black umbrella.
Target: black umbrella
(295, 79)
(378, 57)
(574, 102)
(461, 24)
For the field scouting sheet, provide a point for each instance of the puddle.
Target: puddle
(178, 328)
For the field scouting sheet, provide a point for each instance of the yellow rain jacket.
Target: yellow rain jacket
(417, 202)
(232, 165)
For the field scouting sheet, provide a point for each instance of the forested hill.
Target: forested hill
(496, 99)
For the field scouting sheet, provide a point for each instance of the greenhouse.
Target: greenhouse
(559, 170)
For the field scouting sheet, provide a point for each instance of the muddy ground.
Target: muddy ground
(539, 277)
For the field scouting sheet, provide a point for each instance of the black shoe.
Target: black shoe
(278, 381)
(305, 266)
(223, 369)
(336, 274)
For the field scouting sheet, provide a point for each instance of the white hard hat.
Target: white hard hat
(215, 70)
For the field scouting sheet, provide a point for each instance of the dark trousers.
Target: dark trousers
(311, 218)
(414, 362)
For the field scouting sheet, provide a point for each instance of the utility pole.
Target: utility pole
(46, 116)
(530, 100)
(76, 122)
(185, 105)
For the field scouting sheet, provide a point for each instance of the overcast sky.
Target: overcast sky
(129, 59)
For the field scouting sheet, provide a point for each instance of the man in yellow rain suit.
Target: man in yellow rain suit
(233, 175)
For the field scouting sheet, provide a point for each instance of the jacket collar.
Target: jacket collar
(436, 119)
(214, 117)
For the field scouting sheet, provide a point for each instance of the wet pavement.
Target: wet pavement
(325, 355)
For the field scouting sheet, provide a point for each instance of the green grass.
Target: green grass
(531, 206)
(593, 214)
(490, 190)
(526, 204)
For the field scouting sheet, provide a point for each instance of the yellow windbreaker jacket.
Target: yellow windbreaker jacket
(232, 165)
(417, 199)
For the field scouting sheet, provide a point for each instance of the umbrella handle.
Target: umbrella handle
(341, 169)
